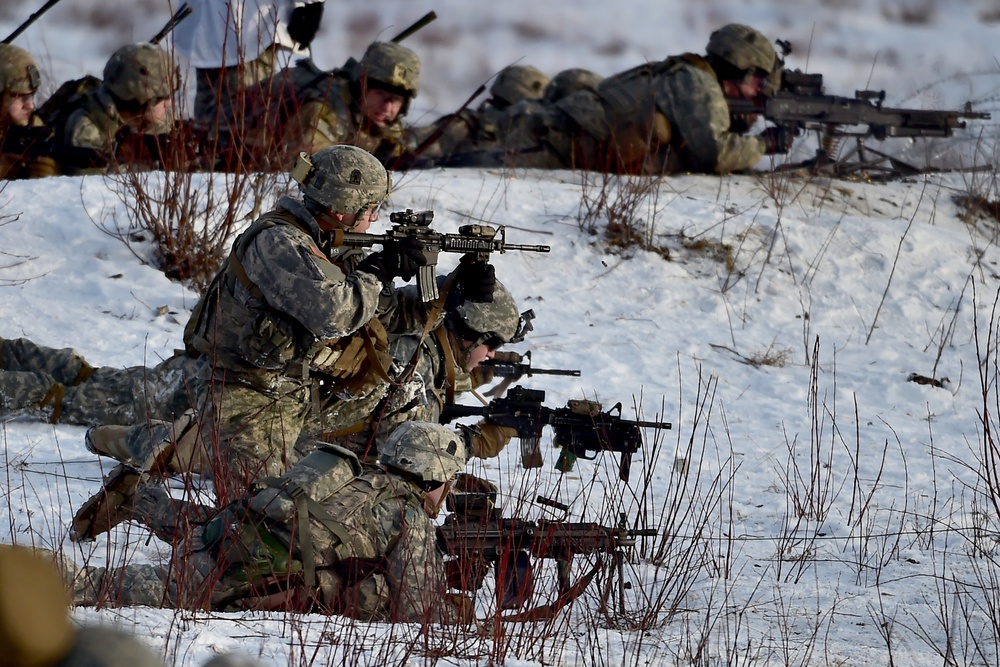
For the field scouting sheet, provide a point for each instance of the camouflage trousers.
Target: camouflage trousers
(59, 385)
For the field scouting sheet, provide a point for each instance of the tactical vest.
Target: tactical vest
(311, 525)
(259, 341)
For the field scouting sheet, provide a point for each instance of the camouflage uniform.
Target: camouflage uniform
(61, 385)
(371, 551)
(304, 109)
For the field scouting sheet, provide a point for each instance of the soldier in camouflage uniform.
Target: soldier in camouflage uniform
(61, 386)
(134, 99)
(23, 138)
(363, 104)
(288, 327)
(447, 362)
(514, 95)
(329, 535)
(659, 118)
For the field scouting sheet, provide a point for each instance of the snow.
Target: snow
(784, 372)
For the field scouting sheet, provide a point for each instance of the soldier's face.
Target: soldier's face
(158, 114)
(433, 500)
(381, 107)
(16, 109)
(478, 355)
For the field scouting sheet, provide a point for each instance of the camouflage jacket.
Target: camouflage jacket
(692, 99)
(308, 294)
(93, 122)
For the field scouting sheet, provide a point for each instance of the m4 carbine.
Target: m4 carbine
(582, 429)
(480, 240)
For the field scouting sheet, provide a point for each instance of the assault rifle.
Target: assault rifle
(478, 239)
(512, 366)
(581, 429)
(476, 536)
(182, 13)
(801, 104)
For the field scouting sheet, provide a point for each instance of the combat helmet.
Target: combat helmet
(493, 323)
(18, 71)
(516, 83)
(569, 81)
(429, 451)
(742, 47)
(343, 179)
(393, 67)
(140, 73)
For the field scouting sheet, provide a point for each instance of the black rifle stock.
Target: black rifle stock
(582, 429)
(483, 537)
(801, 104)
(480, 240)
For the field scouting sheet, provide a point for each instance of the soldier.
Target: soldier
(289, 326)
(134, 101)
(327, 536)
(23, 139)
(658, 118)
(447, 361)
(234, 45)
(306, 109)
(514, 94)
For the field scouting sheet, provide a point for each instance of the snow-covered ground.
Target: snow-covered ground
(847, 519)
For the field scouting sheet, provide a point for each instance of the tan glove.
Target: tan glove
(491, 439)
(42, 167)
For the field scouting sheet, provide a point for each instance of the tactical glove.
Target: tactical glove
(42, 167)
(777, 139)
(402, 258)
(477, 279)
(490, 440)
(303, 24)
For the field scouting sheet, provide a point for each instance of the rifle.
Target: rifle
(801, 104)
(479, 239)
(509, 366)
(31, 19)
(476, 535)
(182, 13)
(581, 429)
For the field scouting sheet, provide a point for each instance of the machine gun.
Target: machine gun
(581, 429)
(475, 535)
(802, 104)
(480, 240)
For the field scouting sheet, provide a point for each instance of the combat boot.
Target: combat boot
(108, 507)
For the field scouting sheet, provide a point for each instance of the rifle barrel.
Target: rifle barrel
(182, 13)
(551, 371)
(31, 19)
(417, 25)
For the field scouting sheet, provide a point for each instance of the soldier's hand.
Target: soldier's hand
(491, 439)
(777, 139)
(477, 279)
(402, 258)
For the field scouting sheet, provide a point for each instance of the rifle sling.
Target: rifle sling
(449, 363)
